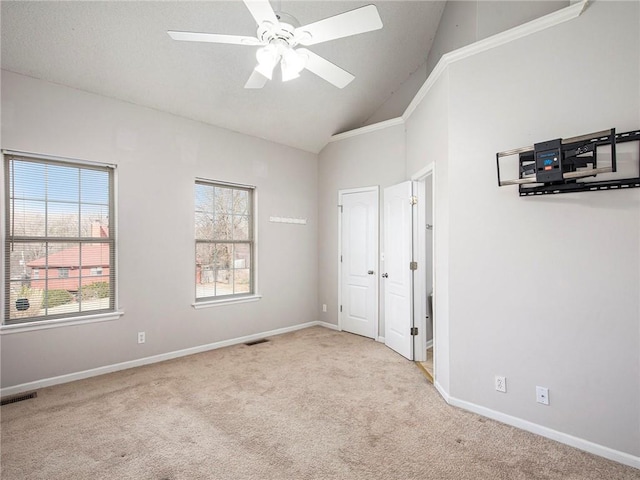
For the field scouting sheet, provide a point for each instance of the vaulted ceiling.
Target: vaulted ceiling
(121, 50)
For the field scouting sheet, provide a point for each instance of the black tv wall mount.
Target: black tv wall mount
(570, 164)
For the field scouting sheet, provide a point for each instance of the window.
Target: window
(96, 271)
(224, 240)
(60, 224)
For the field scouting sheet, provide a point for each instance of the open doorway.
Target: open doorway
(423, 308)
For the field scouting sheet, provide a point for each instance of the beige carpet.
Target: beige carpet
(314, 404)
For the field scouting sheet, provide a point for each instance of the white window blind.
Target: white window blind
(60, 232)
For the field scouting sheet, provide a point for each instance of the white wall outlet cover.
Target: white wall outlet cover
(501, 384)
(542, 395)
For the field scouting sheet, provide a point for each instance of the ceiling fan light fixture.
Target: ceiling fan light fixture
(265, 71)
(267, 57)
(288, 74)
(292, 64)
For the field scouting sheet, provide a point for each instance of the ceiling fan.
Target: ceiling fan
(279, 34)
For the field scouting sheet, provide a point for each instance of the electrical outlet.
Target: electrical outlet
(501, 384)
(142, 337)
(324, 307)
(542, 395)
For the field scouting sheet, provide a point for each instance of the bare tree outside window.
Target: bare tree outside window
(224, 240)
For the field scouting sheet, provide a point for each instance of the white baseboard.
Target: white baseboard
(443, 393)
(596, 449)
(332, 326)
(70, 377)
(579, 443)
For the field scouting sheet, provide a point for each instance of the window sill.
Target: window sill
(60, 322)
(226, 301)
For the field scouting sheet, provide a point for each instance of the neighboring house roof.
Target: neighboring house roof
(93, 255)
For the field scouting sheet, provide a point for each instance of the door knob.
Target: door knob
(385, 275)
(370, 272)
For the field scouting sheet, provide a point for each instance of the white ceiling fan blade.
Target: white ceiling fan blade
(326, 70)
(256, 80)
(261, 11)
(214, 38)
(360, 20)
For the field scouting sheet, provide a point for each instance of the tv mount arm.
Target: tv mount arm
(556, 165)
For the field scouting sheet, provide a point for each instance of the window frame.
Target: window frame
(252, 295)
(18, 325)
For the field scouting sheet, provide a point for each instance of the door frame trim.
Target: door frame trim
(419, 250)
(346, 191)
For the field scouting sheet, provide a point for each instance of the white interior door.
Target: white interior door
(398, 277)
(423, 253)
(359, 255)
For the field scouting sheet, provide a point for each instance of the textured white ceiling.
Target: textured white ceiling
(122, 50)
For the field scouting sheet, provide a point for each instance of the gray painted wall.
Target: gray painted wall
(427, 142)
(566, 317)
(546, 290)
(582, 341)
(377, 158)
(158, 157)
(462, 23)
(465, 22)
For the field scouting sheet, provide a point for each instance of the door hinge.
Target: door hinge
(414, 331)
(341, 308)
(413, 265)
(413, 200)
(340, 258)
(340, 207)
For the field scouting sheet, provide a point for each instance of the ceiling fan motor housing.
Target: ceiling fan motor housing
(286, 18)
(284, 30)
